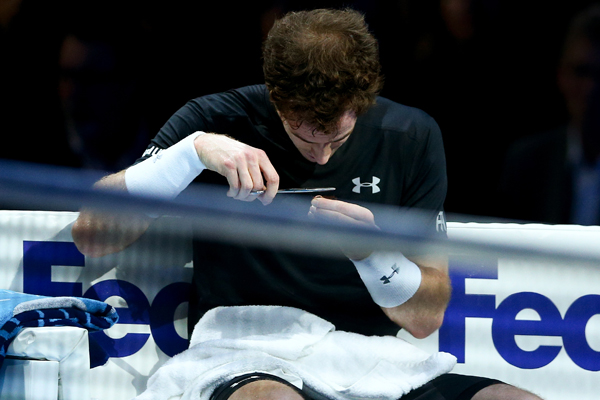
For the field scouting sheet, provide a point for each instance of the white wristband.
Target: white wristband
(167, 173)
(390, 278)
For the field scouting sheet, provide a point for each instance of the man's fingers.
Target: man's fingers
(271, 179)
(234, 183)
(250, 179)
(244, 167)
(333, 216)
(350, 210)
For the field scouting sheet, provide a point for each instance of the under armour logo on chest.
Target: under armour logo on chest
(373, 185)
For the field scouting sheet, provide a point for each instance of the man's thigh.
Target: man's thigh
(450, 387)
(444, 387)
(257, 385)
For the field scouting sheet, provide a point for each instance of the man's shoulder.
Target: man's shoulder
(389, 115)
(240, 100)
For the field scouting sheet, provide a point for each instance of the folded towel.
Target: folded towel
(231, 341)
(20, 310)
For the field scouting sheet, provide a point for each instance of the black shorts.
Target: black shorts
(450, 387)
(444, 387)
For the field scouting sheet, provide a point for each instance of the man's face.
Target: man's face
(317, 146)
(579, 76)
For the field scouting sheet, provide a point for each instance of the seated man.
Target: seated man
(554, 176)
(317, 122)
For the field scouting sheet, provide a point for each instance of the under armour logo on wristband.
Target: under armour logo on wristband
(386, 279)
(373, 185)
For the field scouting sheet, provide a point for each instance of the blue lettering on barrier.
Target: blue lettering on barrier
(40, 256)
(505, 326)
(136, 312)
(574, 340)
(463, 305)
(38, 259)
(161, 319)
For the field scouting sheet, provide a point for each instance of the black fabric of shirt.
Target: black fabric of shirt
(398, 145)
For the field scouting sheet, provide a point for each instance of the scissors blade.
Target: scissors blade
(298, 190)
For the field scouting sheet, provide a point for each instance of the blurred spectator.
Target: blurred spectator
(461, 80)
(465, 62)
(554, 177)
(30, 117)
(101, 61)
(84, 84)
(68, 84)
(481, 70)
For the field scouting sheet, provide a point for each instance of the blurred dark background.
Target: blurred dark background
(87, 84)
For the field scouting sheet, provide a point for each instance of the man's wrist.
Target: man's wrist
(390, 278)
(167, 173)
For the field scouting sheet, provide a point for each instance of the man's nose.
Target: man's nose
(322, 153)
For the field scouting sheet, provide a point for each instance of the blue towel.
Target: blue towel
(20, 310)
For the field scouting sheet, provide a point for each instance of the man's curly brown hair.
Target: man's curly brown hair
(319, 64)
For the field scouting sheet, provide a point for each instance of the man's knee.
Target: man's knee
(503, 391)
(265, 390)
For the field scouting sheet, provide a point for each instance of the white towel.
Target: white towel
(230, 341)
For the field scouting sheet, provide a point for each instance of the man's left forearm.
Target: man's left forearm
(423, 313)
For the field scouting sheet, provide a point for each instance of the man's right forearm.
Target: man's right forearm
(100, 233)
(165, 175)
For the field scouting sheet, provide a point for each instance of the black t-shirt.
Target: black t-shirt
(394, 156)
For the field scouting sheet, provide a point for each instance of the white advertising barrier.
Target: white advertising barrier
(49, 363)
(147, 283)
(530, 322)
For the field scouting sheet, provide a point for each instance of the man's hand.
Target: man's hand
(423, 313)
(340, 211)
(246, 168)
(97, 234)
(343, 212)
